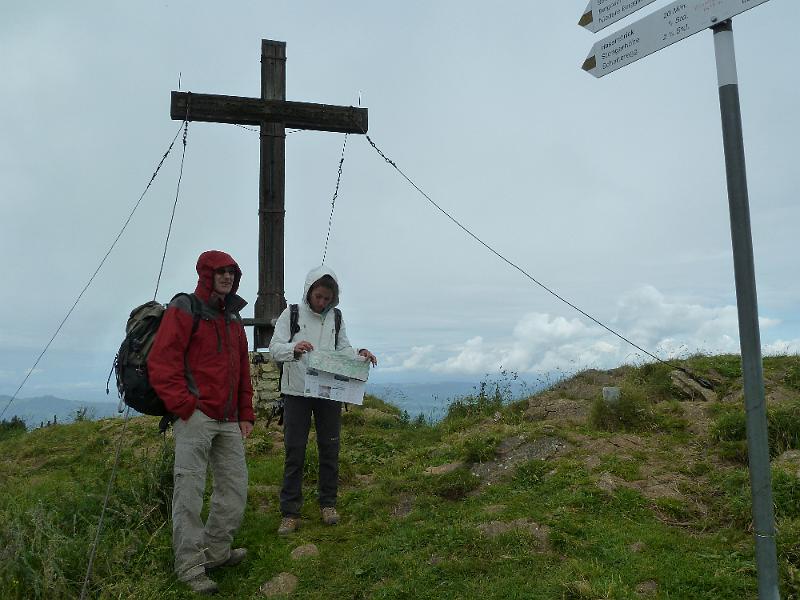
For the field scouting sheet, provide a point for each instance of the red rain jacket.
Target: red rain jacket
(216, 374)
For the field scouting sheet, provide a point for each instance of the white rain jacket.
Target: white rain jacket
(319, 329)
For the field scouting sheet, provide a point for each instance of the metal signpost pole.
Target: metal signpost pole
(749, 337)
(670, 24)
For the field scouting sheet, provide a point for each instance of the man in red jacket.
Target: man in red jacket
(201, 370)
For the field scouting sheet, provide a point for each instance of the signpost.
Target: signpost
(675, 22)
(599, 14)
(668, 25)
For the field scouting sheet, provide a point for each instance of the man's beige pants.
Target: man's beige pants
(199, 442)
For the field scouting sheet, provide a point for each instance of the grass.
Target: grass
(615, 543)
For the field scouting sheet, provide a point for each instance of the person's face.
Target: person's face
(319, 298)
(223, 280)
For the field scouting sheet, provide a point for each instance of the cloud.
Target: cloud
(541, 342)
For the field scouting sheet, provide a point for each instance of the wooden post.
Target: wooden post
(271, 197)
(272, 113)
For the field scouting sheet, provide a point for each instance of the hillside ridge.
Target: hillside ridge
(645, 497)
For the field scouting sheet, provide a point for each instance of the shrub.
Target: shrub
(631, 412)
(454, 485)
(480, 448)
(11, 428)
(783, 426)
(529, 474)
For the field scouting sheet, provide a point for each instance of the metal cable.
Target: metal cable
(704, 382)
(105, 505)
(333, 202)
(96, 271)
(175, 204)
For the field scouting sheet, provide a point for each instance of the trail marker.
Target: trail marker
(599, 14)
(660, 29)
(670, 24)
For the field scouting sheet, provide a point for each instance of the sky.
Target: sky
(609, 191)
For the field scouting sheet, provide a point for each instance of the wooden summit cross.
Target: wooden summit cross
(273, 114)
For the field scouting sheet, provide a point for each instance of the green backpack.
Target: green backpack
(130, 363)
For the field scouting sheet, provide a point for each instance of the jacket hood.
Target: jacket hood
(207, 263)
(313, 276)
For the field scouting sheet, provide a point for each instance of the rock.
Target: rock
(282, 584)
(404, 506)
(494, 509)
(607, 482)
(690, 388)
(443, 469)
(790, 461)
(539, 532)
(542, 408)
(514, 451)
(305, 551)
(647, 588)
(636, 547)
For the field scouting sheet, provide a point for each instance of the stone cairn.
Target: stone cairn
(265, 377)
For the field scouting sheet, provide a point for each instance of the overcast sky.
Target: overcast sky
(611, 191)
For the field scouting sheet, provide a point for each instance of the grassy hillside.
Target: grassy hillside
(557, 496)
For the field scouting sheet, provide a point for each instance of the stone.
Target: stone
(690, 388)
(404, 506)
(282, 584)
(305, 551)
(538, 532)
(443, 469)
(636, 547)
(647, 588)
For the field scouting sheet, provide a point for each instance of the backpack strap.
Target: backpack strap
(195, 308)
(294, 320)
(337, 318)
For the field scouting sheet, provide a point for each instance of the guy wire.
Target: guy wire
(333, 202)
(702, 381)
(96, 271)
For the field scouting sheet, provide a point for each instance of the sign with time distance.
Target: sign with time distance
(668, 25)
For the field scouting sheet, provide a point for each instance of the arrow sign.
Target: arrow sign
(599, 14)
(660, 29)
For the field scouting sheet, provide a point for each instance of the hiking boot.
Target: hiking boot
(288, 525)
(330, 516)
(202, 585)
(236, 557)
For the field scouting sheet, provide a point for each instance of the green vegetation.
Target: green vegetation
(12, 427)
(635, 499)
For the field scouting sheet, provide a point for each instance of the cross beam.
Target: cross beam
(214, 108)
(273, 114)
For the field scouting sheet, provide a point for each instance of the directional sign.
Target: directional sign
(599, 14)
(660, 29)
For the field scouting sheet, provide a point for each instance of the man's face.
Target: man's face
(223, 280)
(319, 298)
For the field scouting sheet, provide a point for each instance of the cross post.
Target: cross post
(273, 114)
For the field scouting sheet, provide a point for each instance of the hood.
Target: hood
(207, 263)
(315, 274)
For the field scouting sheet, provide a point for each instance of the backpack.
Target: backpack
(294, 328)
(130, 363)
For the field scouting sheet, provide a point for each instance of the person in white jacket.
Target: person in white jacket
(317, 330)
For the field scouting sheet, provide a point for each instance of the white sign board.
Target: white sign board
(335, 376)
(660, 29)
(599, 14)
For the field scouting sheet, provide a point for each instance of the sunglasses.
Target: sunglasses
(225, 271)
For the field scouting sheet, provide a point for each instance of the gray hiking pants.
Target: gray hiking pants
(199, 442)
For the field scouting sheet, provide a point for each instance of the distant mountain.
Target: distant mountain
(43, 409)
(432, 399)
